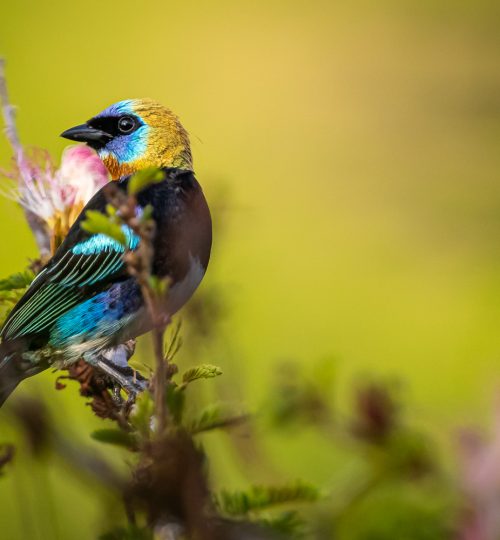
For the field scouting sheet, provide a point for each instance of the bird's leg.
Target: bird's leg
(125, 381)
(114, 363)
(117, 398)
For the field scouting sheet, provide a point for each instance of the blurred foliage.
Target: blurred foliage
(398, 488)
(358, 147)
(95, 222)
(11, 290)
(144, 178)
(259, 497)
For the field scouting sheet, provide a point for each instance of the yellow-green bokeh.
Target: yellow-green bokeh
(359, 150)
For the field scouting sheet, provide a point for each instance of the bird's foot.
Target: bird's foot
(116, 395)
(127, 378)
(114, 363)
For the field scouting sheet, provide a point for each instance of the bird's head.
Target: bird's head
(133, 134)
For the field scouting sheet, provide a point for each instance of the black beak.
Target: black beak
(85, 133)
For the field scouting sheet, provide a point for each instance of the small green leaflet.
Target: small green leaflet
(142, 412)
(116, 437)
(239, 503)
(216, 417)
(20, 280)
(98, 223)
(205, 371)
(144, 178)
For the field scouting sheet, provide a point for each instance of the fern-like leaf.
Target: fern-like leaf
(19, 280)
(240, 503)
(289, 524)
(215, 417)
(205, 371)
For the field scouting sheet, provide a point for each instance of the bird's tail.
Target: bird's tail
(11, 372)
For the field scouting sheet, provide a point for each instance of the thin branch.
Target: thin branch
(139, 265)
(37, 226)
(8, 112)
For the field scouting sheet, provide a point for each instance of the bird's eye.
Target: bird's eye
(126, 124)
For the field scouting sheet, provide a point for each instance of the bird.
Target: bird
(84, 303)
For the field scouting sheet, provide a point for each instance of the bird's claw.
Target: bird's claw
(116, 395)
(114, 363)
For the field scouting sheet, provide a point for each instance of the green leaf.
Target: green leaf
(204, 371)
(110, 210)
(4, 313)
(20, 280)
(159, 285)
(174, 341)
(12, 296)
(142, 413)
(288, 524)
(175, 402)
(116, 437)
(262, 497)
(12, 289)
(144, 178)
(98, 223)
(147, 213)
(215, 417)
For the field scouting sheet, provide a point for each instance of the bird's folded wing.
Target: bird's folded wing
(83, 266)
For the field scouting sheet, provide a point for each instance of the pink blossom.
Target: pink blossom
(56, 196)
(82, 171)
(50, 193)
(480, 467)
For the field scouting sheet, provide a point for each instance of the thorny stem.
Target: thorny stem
(160, 380)
(159, 324)
(139, 265)
(36, 225)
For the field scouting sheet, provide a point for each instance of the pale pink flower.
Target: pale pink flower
(83, 172)
(480, 468)
(53, 196)
(48, 192)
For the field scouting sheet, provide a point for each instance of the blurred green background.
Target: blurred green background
(351, 153)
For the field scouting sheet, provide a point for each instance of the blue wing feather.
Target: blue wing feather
(91, 262)
(99, 316)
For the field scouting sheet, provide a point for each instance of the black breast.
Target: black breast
(183, 223)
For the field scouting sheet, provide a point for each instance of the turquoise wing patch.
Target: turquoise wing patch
(91, 262)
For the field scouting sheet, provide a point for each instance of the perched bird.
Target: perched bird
(84, 303)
